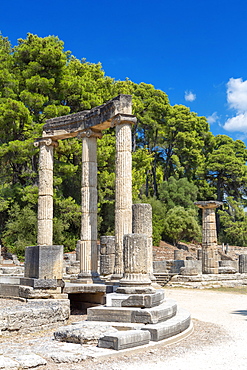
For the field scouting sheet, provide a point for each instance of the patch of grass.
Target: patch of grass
(238, 289)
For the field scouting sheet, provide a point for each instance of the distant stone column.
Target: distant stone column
(88, 241)
(243, 263)
(142, 224)
(45, 200)
(210, 264)
(123, 185)
(136, 267)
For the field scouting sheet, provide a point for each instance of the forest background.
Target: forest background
(176, 159)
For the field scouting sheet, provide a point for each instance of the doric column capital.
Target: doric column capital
(204, 204)
(45, 140)
(123, 118)
(90, 133)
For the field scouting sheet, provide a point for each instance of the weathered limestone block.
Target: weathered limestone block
(34, 314)
(160, 267)
(191, 267)
(124, 339)
(85, 332)
(230, 267)
(44, 262)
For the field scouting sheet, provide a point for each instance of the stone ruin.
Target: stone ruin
(124, 297)
(211, 267)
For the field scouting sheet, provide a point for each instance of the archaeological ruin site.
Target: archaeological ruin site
(119, 280)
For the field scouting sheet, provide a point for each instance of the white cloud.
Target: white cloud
(237, 123)
(213, 118)
(237, 94)
(237, 100)
(189, 96)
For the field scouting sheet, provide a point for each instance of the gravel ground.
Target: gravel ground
(218, 342)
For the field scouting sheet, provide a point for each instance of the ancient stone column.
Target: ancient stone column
(123, 185)
(107, 255)
(136, 266)
(243, 263)
(142, 224)
(210, 264)
(45, 200)
(88, 240)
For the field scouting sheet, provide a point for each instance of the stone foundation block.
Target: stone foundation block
(169, 328)
(34, 314)
(126, 339)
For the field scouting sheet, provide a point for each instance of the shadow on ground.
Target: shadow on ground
(240, 312)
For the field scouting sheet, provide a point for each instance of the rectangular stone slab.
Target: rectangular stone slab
(124, 339)
(169, 328)
(152, 315)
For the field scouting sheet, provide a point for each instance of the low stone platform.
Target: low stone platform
(33, 315)
(208, 281)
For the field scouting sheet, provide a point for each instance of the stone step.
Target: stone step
(153, 315)
(135, 300)
(124, 339)
(169, 328)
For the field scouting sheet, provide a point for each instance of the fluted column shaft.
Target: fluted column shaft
(142, 224)
(45, 200)
(88, 239)
(210, 264)
(123, 185)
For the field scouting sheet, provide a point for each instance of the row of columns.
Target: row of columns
(123, 187)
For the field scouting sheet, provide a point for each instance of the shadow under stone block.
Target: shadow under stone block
(44, 262)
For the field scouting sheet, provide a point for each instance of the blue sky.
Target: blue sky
(195, 51)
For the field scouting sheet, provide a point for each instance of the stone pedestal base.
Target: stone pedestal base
(44, 262)
(84, 278)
